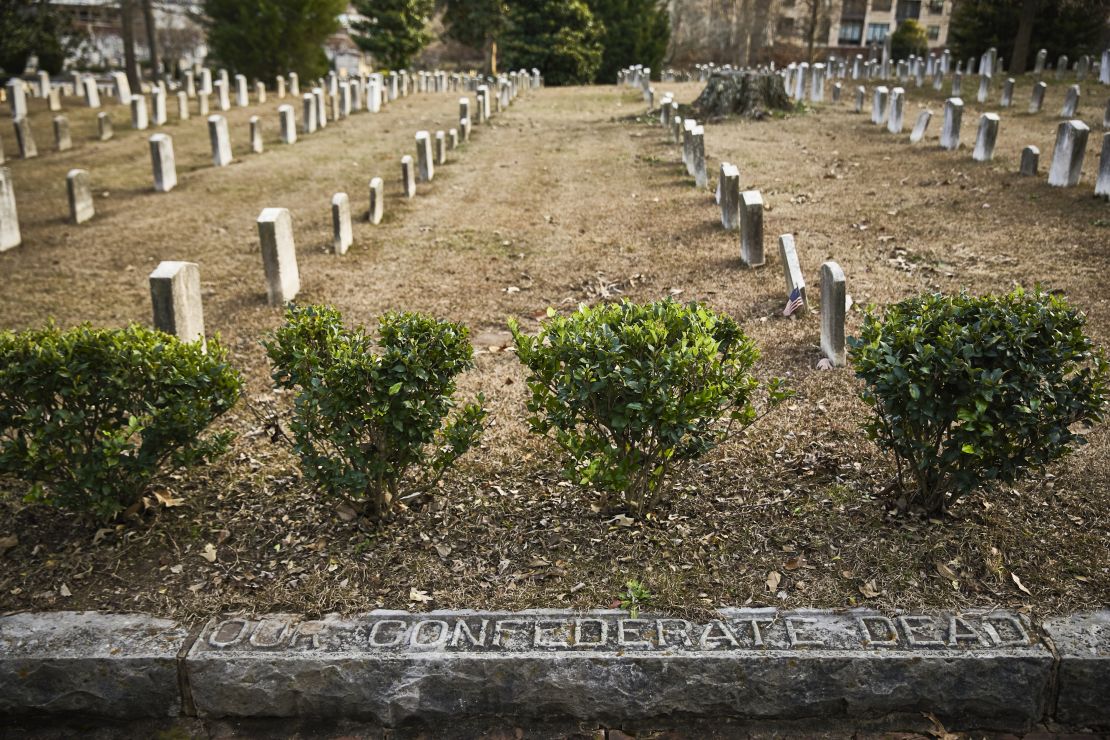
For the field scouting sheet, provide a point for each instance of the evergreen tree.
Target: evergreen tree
(558, 37)
(479, 24)
(33, 27)
(908, 38)
(1071, 27)
(635, 32)
(264, 38)
(394, 30)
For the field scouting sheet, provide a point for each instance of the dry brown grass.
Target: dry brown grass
(566, 192)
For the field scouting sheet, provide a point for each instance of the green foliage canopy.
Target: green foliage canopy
(265, 38)
(1071, 27)
(629, 391)
(366, 416)
(90, 416)
(968, 390)
(908, 38)
(33, 27)
(561, 38)
(394, 31)
(635, 32)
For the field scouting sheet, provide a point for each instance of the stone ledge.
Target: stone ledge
(988, 670)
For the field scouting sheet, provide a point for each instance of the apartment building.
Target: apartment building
(850, 26)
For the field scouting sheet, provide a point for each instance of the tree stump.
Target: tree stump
(749, 93)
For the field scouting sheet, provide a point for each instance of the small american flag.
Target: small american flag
(794, 303)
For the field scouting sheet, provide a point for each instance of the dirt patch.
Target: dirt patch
(566, 198)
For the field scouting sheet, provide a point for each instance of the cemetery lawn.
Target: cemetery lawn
(567, 198)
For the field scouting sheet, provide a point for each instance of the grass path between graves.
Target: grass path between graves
(568, 197)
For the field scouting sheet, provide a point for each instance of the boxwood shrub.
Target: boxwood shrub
(90, 416)
(369, 421)
(632, 391)
(973, 390)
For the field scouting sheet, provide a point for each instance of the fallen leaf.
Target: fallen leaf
(774, 578)
(419, 596)
(946, 572)
(64, 591)
(8, 542)
(167, 500)
(870, 589)
(443, 550)
(346, 512)
(795, 562)
(1019, 584)
(209, 553)
(176, 568)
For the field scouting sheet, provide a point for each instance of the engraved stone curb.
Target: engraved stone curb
(1082, 642)
(110, 665)
(989, 670)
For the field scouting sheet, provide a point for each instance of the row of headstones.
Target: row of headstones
(887, 108)
(199, 81)
(917, 69)
(344, 95)
(806, 82)
(163, 160)
(742, 210)
(175, 286)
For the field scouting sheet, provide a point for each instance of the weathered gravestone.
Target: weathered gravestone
(1030, 158)
(79, 194)
(1036, 101)
(176, 300)
(751, 228)
(220, 140)
(895, 113)
(139, 120)
(162, 163)
(1102, 184)
(792, 270)
(9, 218)
(729, 188)
(308, 119)
(1071, 102)
(408, 177)
(62, 139)
(104, 126)
(279, 256)
(424, 157)
(953, 115)
(920, 126)
(1067, 156)
(25, 139)
(377, 202)
(342, 236)
(986, 137)
(833, 313)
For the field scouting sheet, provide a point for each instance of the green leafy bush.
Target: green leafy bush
(630, 390)
(970, 390)
(365, 416)
(90, 416)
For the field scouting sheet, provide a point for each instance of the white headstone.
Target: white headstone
(342, 235)
(220, 139)
(79, 193)
(986, 137)
(1102, 184)
(1030, 158)
(9, 219)
(953, 115)
(424, 162)
(920, 126)
(408, 177)
(162, 162)
(833, 313)
(279, 256)
(729, 187)
(791, 269)
(256, 134)
(288, 124)
(1067, 156)
(377, 203)
(176, 300)
(139, 120)
(751, 228)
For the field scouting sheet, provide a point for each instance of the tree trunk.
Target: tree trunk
(493, 57)
(1024, 36)
(811, 32)
(152, 40)
(745, 93)
(127, 31)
